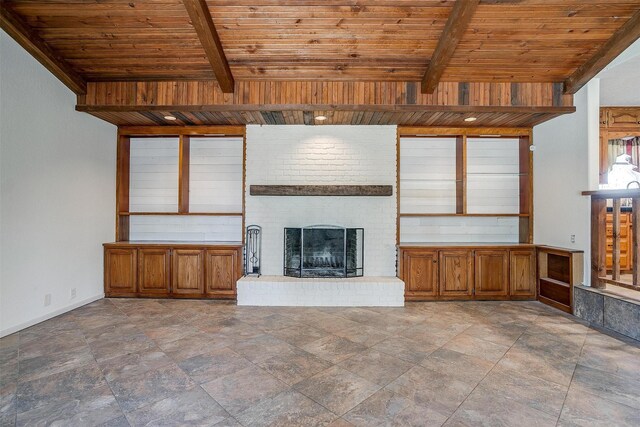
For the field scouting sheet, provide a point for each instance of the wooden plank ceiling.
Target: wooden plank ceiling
(372, 41)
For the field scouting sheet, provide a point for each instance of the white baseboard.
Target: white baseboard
(21, 326)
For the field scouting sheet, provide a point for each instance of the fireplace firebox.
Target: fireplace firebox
(323, 251)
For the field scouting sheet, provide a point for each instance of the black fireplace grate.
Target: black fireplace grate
(323, 251)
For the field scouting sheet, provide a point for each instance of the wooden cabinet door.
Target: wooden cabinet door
(120, 272)
(522, 273)
(187, 275)
(420, 273)
(153, 271)
(491, 273)
(625, 242)
(456, 273)
(223, 269)
(623, 118)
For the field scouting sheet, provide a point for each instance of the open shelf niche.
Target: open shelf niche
(180, 184)
(469, 185)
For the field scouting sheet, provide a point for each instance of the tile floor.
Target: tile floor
(120, 362)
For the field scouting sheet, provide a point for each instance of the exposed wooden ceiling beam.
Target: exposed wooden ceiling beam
(32, 43)
(621, 39)
(202, 22)
(454, 29)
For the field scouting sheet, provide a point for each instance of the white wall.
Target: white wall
(57, 193)
(565, 164)
(336, 155)
(619, 79)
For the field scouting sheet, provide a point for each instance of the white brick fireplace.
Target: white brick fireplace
(323, 155)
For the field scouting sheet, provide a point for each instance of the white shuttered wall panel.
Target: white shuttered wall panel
(153, 185)
(190, 228)
(428, 175)
(215, 175)
(493, 179)
(459, 229)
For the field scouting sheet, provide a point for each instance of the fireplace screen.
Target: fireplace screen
(323, 251)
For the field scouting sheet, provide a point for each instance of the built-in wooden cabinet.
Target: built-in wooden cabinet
(522, 273)
(491, 273)
(421, 272)
(223, 267)
(188, 271)
(120, 270)
(456, 273)
(154, 271)
(622, 117)
(431, 272)
(172, 270)
(615, 123)
(559, 270)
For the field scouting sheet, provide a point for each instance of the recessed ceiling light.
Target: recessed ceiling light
(470, 119)
(169, 117)
(321, 118)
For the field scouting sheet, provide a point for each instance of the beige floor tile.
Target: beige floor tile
(477, 347)
(243, 389)
(337, 389)
(276, 366)
(588, 410)
(388, 409)
(377, 367)
(287, 409)
(333, 349)
(485, 409)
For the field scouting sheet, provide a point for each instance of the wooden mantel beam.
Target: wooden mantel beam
(203, 24)
(454, 29)
(13, 25)
(621, 39)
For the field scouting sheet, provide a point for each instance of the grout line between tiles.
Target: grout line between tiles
(485, 376)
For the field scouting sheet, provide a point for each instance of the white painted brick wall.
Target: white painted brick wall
(336, 155)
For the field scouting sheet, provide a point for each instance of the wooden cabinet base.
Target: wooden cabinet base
(120, 272)
(466, 272)
(170, 270)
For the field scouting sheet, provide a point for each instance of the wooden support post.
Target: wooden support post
(635, 240)
(183, 174)
(122, 187)
(615, 254)
(397, 192)
(461, 174)
(598, 241)
(244, 186)
(526, 189)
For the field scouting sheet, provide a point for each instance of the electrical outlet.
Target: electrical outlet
(73, 293)
(573, 238)
(47, 300)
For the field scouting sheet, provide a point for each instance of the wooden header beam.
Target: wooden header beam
(621, 39)
(32, 43)
(470, 131)
(203, 24)
(455, 28)
(182, 130)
